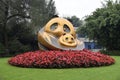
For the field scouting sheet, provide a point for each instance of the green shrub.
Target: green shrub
(112, 52)
(2, 49)
(16, 47)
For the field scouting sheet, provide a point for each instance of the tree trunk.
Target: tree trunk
(5, 32)
(5, 39)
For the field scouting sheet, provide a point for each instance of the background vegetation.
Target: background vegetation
(20, 21)
(103, 26)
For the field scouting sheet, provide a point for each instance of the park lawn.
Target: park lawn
(8, 72)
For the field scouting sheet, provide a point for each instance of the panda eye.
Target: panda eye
(54, 26)
(66, 28)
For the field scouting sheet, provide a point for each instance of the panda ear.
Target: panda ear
(54, 16)
(70, 20)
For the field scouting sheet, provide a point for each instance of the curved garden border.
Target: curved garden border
(61, 59)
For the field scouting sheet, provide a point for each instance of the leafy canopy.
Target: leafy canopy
(104, 25)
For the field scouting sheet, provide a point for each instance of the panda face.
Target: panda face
(58, 33)
(59, 26)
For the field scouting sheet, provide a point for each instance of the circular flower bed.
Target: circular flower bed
(61, 59)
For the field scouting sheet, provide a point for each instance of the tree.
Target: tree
(104, 25)
(41, 12)
(18, 21)
(20, 36)
(10, 9)
(82, 31)
(75, 21)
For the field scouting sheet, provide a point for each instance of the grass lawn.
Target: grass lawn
(8, 72)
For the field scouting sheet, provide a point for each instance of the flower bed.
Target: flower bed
(61, 59)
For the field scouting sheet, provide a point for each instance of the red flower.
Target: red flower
(61, 59)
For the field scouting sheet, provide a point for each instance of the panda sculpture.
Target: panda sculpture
(59, 34)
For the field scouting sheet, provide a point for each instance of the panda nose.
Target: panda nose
(69, 39)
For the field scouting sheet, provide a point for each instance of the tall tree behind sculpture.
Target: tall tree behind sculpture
(10, 9)
(15, 24)
(41, 12)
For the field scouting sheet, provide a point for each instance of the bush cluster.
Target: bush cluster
(61, 59)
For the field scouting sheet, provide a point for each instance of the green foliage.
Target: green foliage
(82, 30)
(75, 21)
(41, 12)
(2, 49)
(112, 52)
(19, 22)
(104, 25)
(20, 37)
(17, 47)
(11, 10)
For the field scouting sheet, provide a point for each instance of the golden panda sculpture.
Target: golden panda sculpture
(59, 34)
